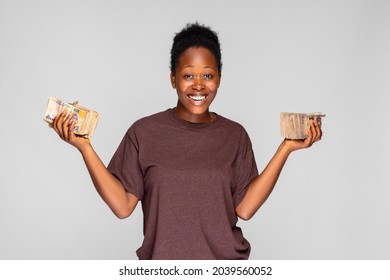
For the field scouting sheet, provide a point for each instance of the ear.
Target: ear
(173, 80)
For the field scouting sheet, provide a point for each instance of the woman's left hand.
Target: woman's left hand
(314, 135)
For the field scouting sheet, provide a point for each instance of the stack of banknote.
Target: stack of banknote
(295, 125)
(86, 119)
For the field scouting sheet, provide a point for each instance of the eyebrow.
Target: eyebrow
(203, 66)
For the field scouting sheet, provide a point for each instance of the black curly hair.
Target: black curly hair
(195, 35)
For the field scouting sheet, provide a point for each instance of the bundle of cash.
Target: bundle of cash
(86, 119)
(294, 125)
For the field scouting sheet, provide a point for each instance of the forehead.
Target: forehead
(197, 56)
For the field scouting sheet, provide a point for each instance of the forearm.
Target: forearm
(261, 187)
(107, 185)
(110, 189)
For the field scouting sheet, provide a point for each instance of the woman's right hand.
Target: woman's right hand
(64, 125)
(122, 203)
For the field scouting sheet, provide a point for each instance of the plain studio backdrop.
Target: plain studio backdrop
(331, 202)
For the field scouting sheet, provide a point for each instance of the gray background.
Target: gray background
(331, 202)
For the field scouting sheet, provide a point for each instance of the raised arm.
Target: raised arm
(108, 186)
(261, 187)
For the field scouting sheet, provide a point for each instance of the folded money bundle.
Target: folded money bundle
(86, 119)
(294, 125)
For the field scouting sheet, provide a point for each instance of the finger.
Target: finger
(57, 123)
(65, 125)
(317, 130)
(60, 124)
(71, 126)
(54, 123)
(307, 140)
(313, 129)
(313, 133)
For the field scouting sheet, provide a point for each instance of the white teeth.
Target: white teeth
(197, 97)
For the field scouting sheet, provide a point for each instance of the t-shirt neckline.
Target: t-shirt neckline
(188, 124)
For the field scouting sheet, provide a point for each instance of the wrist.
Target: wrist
(85, 149)
(285, 147)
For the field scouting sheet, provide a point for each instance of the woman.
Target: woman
(193, 170)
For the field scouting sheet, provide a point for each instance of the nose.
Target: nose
(198, 84)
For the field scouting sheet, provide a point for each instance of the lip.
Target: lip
(197, 99)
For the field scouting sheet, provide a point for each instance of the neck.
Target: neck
(194, 118)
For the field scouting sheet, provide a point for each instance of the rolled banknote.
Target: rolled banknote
(86, 119)
(294, 125)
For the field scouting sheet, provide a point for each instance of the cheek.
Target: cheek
(213, 87)
(185, 85)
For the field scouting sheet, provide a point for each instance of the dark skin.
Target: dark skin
(197, 75)
(196, 80)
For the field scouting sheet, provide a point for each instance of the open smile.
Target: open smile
(197, 97)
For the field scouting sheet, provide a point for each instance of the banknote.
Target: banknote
(86, 119)
(294, 125)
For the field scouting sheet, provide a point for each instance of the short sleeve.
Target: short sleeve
(246, 170)
(125, 166)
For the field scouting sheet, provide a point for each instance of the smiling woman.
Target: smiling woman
(196, 80)
(193, 170)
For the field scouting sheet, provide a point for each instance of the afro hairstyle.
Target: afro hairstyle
(195, 35)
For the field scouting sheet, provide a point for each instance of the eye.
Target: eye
(208, 76)
(188, 76)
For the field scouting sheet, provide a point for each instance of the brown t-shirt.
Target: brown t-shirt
(190, 178)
